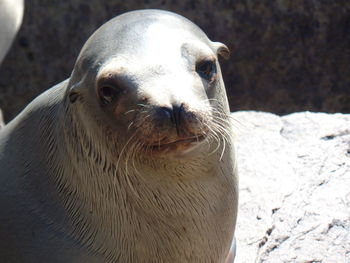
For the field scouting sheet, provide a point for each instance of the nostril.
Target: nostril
(167, 112)
(177, 109)
(173, 113)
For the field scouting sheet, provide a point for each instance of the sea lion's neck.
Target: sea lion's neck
(107, 194)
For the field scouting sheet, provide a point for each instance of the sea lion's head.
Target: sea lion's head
(153, 79)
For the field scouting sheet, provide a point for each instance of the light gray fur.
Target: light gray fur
(11, 13)
(67, 193)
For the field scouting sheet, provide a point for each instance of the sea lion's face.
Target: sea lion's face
(158, 88)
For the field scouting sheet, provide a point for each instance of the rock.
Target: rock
(11, 13)
(287, 55)
(294, 187)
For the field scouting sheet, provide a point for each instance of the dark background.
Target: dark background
(287, 55)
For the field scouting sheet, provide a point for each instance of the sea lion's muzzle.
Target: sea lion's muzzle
(175, 127)
(179, 118)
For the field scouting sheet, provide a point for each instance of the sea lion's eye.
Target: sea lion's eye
(108, 93)
(206, 69)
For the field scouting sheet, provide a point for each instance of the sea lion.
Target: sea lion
(11, 13)
(128, 160)
(2, 123)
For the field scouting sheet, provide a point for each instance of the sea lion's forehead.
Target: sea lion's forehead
(147, 21)
(145, 31)
(162, 42)
(157, 57)
(142, 39)
(154, 42)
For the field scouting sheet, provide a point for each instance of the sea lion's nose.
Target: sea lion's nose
(173, 113)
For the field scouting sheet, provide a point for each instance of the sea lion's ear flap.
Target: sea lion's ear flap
(222, 50)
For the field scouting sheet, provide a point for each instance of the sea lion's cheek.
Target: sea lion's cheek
(119, 109)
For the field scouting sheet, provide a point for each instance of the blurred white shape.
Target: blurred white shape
(11, 13)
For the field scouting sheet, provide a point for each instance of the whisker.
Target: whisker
(129, 111)
(131, 123)
(144, 105)
(223, 149)
(215, 137)
(137, 148)
(126, 164)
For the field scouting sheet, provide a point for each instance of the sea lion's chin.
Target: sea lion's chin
(176, 147)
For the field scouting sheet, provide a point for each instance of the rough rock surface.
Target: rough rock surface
(294, 187)
(287, 55)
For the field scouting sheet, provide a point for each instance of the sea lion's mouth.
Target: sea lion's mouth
(178, 145)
